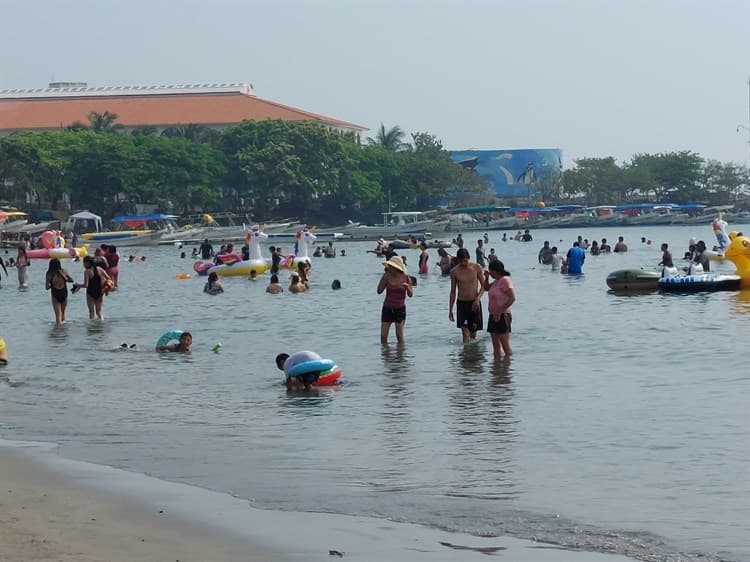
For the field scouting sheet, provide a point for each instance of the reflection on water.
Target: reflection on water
(740, 302)
(470, 358)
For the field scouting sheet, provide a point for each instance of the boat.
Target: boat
(88, 226)
(12, 221)
(634, 280)
(398, 223)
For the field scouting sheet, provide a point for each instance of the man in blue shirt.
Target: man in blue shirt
(576, 257)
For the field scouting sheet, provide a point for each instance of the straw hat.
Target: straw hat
(397, 263)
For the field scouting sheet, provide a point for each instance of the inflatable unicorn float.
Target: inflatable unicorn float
(53, 246)
(303, 240)
(231, 264)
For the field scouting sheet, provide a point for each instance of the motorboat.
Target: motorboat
(12, 221)
(136, 230)
(401, 223)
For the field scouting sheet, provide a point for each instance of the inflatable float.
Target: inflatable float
(325, 370)
(738, 252)
(705, 282)
(232, 264)
(54, 247)
(168, 337)
(304, 238)
(633, 280)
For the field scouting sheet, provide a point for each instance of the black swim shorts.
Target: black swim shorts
(395, 315)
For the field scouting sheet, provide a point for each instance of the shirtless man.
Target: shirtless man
(467, 280)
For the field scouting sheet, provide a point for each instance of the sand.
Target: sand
(59, 510)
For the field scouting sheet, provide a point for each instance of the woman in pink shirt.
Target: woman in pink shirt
(502, 296)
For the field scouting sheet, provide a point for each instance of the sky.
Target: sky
(595, 78)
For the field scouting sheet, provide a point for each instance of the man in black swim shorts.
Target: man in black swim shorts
(467, 288)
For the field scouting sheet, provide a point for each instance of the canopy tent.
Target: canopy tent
(84, 221)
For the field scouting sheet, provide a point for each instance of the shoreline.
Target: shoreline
(60, 509)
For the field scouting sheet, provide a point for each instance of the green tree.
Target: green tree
(671, 175)
(598, 181)
(104, 122)
(392, 139)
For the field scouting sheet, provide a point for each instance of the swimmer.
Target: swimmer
(213, 286)
(183, 346)
(335, 284)
(253, 275)
(274, 287)
(286, 362)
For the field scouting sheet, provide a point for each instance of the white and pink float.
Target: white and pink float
(53, 246)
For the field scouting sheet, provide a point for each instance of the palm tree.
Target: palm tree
(194, 132)
(104, 122)
(392, 139)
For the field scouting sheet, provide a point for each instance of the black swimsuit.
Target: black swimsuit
(94, 289)
(60, 295)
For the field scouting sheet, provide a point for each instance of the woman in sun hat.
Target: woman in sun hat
(397, 286)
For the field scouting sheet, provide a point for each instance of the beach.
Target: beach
(62, 510)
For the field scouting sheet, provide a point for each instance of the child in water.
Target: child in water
(182, 346)
(213, 286)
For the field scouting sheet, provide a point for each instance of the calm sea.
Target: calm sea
(620, 424)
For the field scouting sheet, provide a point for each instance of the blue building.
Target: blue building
(511, 173)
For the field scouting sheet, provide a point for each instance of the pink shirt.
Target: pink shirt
(499, 294)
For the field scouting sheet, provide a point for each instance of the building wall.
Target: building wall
(513, 172)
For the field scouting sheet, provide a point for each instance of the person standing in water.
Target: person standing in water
(56, 282)
(424, 257)
(93, 281)
(397, 286)
(467, 283)
(502, 295)
(22, 262)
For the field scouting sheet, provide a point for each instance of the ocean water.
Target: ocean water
(620, 424)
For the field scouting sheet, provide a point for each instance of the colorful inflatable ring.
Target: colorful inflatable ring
(313, 366)
(228, 259)
(329, 378)
(182, 276)
(167, 337)
(202, 267)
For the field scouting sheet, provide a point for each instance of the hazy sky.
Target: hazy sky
(593, 77)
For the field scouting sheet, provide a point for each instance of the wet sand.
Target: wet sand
(54, 509)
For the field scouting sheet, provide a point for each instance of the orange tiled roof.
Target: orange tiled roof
(156, 110)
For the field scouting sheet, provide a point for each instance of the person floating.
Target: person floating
(181, 346)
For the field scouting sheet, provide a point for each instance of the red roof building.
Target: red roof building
(212, 105)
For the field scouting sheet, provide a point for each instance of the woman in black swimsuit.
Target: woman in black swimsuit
(56, 282)
(93, 277)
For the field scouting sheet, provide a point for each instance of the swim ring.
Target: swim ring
(312, 366)
(330, 377)
(169, 336)
(202, 267)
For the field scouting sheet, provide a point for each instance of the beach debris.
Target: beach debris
(336, 553)
(482, 549)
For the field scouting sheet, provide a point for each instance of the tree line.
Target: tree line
(683, 177)
(265, 169)
(273, 169)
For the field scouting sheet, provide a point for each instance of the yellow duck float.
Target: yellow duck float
(738, 252)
